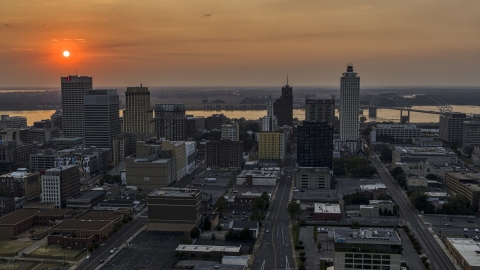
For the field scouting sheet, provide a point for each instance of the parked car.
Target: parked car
(470, 221)
(465, 229)
(88, 257)
(101, 261)
(112, 251)
(267, 231)
(477, 230)
(448, 224)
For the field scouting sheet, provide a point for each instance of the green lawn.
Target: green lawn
(45, 266)
(57, 253)
(11, 246)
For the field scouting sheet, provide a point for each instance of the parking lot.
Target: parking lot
(347, 186)
(149, 251)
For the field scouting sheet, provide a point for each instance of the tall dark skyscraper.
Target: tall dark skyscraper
(102, 122)
(315, 144)
(73, 116)
(283, 107)
(170, 121)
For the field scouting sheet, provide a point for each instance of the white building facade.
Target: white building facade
(231, 131)
(270, 120)
(190, 156)
(349, 106)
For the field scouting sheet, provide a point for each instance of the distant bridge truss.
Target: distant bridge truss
(394, 100)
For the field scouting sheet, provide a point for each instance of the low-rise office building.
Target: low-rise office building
(85, 200)
(174, 209)
(242, 201)
(239, 225)
(59, 184)
(422, 167)
(434, 155)
(21, 184)
(327, 212)
(41, 160)
(85, 229)
(150, 173)
(198, 251)
(373, 191)
(463, 184)
(178, 152)
(395, 131)
(263, 177)
(24, 219)
(271, 146)
(465, 251)
(367, 249)
(313, 178)
(7, 205)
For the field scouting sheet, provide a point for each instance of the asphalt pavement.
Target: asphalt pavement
(116, 241)
(438, 259)
(276, 250)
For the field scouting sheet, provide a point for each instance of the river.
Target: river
(382, 114)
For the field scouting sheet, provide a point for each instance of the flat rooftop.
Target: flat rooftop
(88, 195)
(367, 236)
(321, 208)
(468, 249)
(425, 150)
(205, 249)
(174, 192)
(207, 266)
(324, 170)
(98, 215)
(23, 214)
(437, 194)
(263, 173)
(87, 225)
(373, 186)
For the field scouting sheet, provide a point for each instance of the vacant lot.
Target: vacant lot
(57, 253)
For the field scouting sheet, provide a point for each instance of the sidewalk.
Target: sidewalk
(306, 235)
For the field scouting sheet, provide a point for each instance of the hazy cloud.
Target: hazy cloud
(207, 15)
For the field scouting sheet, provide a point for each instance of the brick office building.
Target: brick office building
(225, 154)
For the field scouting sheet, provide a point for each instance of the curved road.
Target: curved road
(437, 257)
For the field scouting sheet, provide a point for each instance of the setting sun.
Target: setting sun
(66, 53)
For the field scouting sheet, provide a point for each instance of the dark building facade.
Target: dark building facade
(73, 90)
(224, 154)
(315, 144)
(320, 110)
(102, 122)
(170, 121)
(283, 107)
(7, 205)
(174, 209)
(190, 126)
(215, 121)
(14, 155)
(21, 184)
(451, 126)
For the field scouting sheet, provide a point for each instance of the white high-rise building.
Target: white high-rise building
(349, 106)
(231, 131)
(73, 115)
(270, 120)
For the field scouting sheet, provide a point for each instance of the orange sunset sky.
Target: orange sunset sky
(236, 43)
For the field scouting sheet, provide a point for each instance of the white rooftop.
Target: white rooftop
(327, 208)
(437, 194)
(468, 249)
(426, 150)
(373, 186)
(201, 248)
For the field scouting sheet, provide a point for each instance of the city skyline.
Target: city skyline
(428, 43)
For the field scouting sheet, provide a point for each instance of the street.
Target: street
(431, 248)
(276, 250)
(118, 239)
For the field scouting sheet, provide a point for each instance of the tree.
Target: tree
(367, 131)
(401, 179)
(396, 171)
(218, 227)
(315, 233)
(363, 119)
(303, 259)
(266, 198)
(458, 205)
(355, 199)
(431, 176)
(220, 205)
(185, 239)
(386, 154)
(339, 166)
(259, 204)
(420, 201)
(257, 215)
(207, 224)
(245, 234)
(195, 232)
(355, 225)
(319, 245)
(294, 208)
